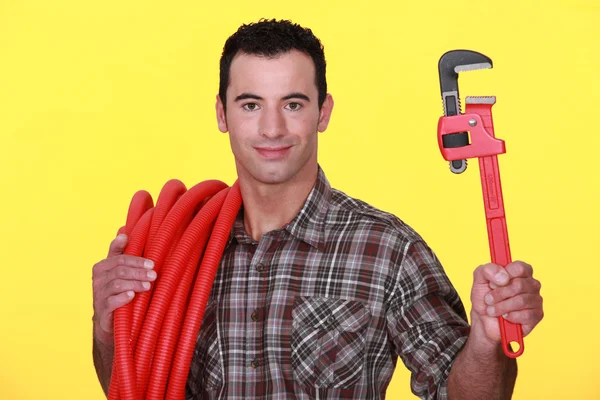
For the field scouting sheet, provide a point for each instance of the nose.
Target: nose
(272, 123)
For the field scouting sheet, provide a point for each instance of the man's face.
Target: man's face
(273, 117)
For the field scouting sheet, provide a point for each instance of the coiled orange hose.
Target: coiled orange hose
(154, 343)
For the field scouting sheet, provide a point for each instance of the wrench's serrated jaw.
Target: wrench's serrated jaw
(480, 100)
(472, 67)
(455, 61)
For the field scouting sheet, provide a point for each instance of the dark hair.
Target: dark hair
(270, 38)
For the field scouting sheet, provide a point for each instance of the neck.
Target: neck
(269, 207)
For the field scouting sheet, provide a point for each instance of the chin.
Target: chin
(273, 174)
(273, 178)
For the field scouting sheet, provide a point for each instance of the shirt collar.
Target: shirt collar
(308, 225)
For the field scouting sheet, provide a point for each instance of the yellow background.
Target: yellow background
(100, 99)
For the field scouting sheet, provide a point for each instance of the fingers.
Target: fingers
(515, 287)
(102, 268)
(509, 292)
(116, 279)
(126, 271)
(520, 302)
(112, 303)
(118, 286)
(496, 276)
(528, 318)
(519, 269)
(120, 274)
(119, 300)
(521, 292)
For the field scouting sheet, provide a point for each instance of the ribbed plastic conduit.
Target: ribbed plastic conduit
(155, 335)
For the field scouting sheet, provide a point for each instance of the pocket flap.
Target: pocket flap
(328, 314)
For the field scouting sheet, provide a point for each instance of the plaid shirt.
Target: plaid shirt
(322, 308)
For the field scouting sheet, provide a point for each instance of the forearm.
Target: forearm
(482, 371)
(103, 351)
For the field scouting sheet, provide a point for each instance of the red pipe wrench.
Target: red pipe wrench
(457, 145)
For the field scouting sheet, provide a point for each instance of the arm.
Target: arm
(103, 351)
(428, 326)
(115, 280)
(427, 322)
(481, 370)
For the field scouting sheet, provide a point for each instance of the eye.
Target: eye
(250, 106)
(294, 106)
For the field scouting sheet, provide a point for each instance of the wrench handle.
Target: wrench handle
(498, 240)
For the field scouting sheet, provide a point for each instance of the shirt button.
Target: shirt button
(330, 320)
(254, 316)
(254, 364)
(260, 267)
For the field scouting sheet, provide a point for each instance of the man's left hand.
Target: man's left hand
(511, 292)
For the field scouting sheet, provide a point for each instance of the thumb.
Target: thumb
(492, 274)
(117, 246)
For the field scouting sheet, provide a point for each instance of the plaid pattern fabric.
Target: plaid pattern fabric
(337, 327)
(322, 308)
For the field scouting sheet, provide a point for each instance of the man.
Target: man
(318, 293)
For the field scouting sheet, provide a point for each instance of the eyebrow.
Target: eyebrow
(294, 95)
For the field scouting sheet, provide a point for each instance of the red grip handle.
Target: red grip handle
(496, 226)
(498, 240)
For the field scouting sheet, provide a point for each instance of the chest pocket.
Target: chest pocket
(328, 341)
(206, 372)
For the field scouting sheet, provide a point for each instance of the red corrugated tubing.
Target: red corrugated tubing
(156, 333)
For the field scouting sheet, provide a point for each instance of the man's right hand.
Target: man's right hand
(115, 280)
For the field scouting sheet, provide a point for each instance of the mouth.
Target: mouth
(273, 152)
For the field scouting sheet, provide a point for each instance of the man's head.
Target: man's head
(273, 102)
(270, 38)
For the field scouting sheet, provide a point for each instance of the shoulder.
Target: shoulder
(357, 217)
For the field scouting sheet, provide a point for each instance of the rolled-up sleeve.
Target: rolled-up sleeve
(426, 320)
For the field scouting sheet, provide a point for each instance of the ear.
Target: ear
(221, 120)
(325, 114)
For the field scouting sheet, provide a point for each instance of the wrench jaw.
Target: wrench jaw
(450, 65)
